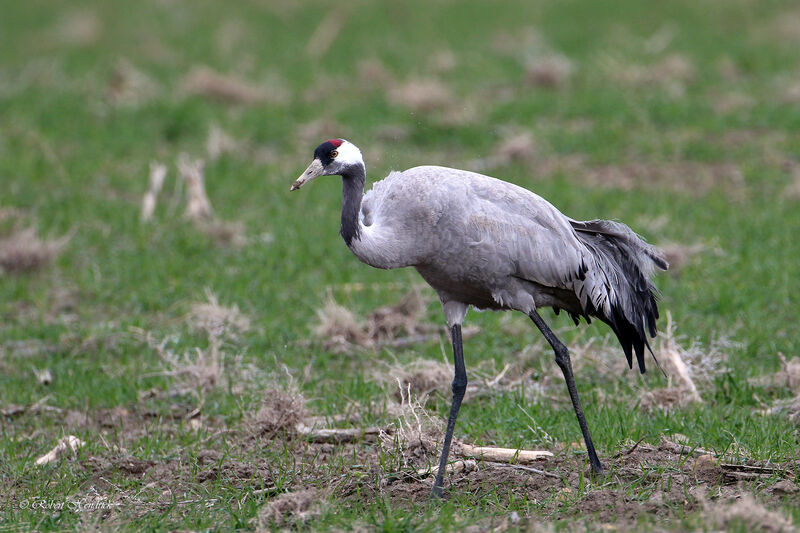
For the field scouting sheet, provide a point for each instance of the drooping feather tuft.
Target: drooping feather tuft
(627, 262)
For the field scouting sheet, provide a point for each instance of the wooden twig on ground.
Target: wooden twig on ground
(494, 381)
(339, 435)
(502, 455)
(633, 448)
(456, 467)
(527, 469)
(733, 473)
(68, 443)
(35, 408)
(683, 449)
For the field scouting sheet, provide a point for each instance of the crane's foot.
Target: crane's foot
(437, 493)
(597, 467)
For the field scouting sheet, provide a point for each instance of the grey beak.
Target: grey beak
(314, 170)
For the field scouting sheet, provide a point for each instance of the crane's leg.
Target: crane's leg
(562, 360)
(459, 388)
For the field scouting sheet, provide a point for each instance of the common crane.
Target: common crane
(485, 242)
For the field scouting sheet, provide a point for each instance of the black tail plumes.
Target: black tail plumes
(629, 261)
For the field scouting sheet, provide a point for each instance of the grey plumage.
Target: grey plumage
(491, 244)
(494, 245)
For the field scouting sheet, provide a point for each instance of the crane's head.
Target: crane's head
(334, 157)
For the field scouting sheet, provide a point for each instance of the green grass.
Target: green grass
(73, 161)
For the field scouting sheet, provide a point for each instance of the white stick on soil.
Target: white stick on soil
(502, 455)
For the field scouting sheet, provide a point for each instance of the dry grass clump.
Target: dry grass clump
(223, 232)
(199, 370)
(77, 28)
(689, 369)
(603, 356)
(746, 513)
(196, 371)
(219, 143)
(442, 61)
(198, 206)
(673, 67)
(217, 320)
(550, 71)
(728, 69)
(787, 377)
(793, 189)
(24, 251)
(689, 177)
(785, 27)
(130, 86)
(519, 146)
(373, 73)
(10, 213)
(282, 409)
(204, 81)
(790, 92)
(515, 146)
(395, 325)
(388, 322)
(199, 210)
(231, 36)
(680, 255)
(666, 399)
(422, 95)
(414, 436)
(671, 73)
(317, 130)
(393, 132)
(290, 508)
(419, 377)
(789, 407)
(731, 101)
(339, 328)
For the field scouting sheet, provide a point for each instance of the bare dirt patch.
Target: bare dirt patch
(295, 477)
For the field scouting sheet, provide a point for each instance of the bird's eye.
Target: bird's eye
(334, 154)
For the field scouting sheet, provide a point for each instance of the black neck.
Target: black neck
(352, 190)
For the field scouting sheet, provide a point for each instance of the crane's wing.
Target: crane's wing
(519, 232)
(497, 229)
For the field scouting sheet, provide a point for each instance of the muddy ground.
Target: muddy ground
(293, 474)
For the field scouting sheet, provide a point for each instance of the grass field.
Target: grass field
(192, 355)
